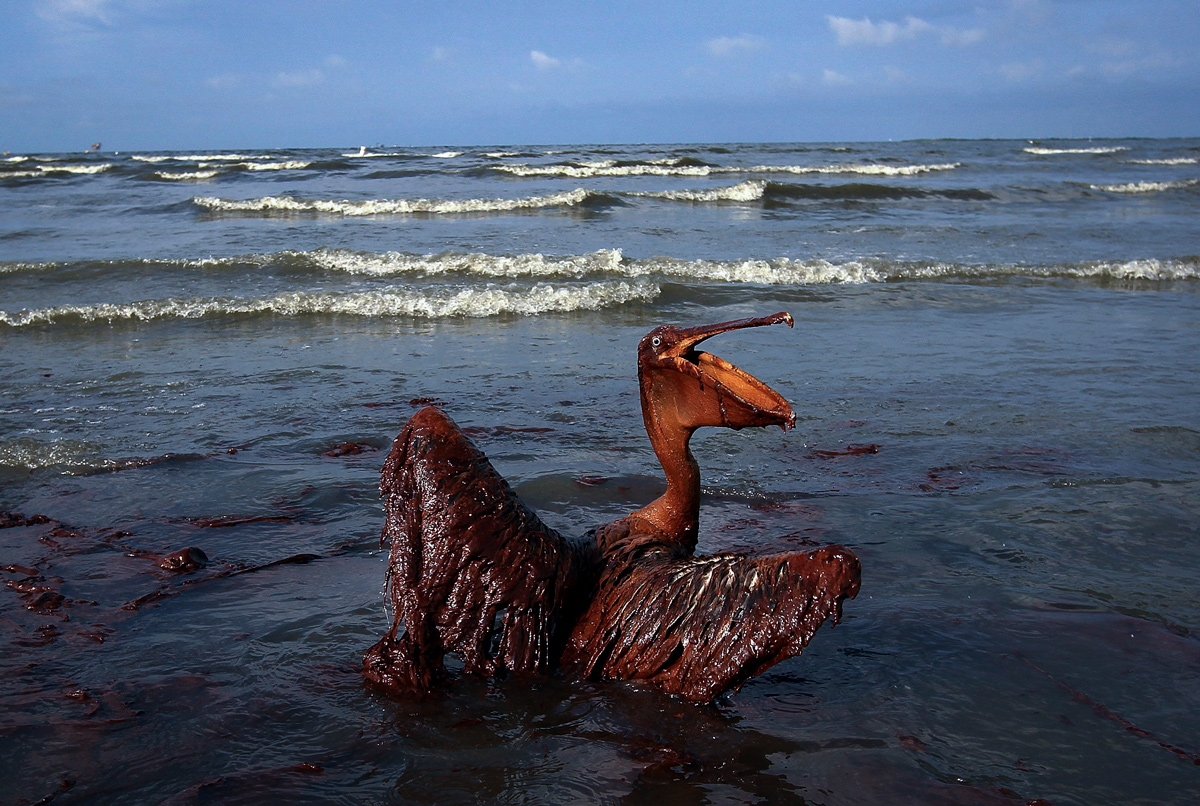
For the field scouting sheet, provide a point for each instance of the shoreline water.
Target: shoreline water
(1014, 454)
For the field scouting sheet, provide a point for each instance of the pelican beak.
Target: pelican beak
(703, 388)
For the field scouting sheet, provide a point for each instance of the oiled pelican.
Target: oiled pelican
(472, 571)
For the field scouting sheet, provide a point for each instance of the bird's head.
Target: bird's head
(694, 388)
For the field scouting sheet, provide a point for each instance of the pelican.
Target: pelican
(472, 571)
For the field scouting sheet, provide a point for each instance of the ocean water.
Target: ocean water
(995, 368)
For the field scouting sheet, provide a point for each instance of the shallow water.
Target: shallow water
(1012, 452)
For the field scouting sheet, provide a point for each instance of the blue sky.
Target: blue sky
(191, 74)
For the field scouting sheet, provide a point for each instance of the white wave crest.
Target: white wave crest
(221, 157)
(750, 190)
(285, 204)
(463, 302)
(605, 261)
(1144, 269)
(607, 273)
(1139, 270)
(16, 159)
(668, 168)
(499, 155)
(199, 157)
(187, 176)
(287, 165)
(786, 271)
(362, 152)
(1167, 161)
(1145, 187)
(864, 169)
(1040, 151)
(588, 170)
(48, 170)
(76, 169)
(446, 155)
(782, 271)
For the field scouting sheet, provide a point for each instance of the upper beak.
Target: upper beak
(688, 338)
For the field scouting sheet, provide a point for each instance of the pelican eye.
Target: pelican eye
(656, 342)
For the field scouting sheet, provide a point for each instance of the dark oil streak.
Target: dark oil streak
(1105, 712)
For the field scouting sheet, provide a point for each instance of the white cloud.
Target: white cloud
(67, 12)
(1022, 71)
(298, 79)
(222, 82)
(543, 61)
(439, 54)
(864, 32)
(833, 79)
(1146, 65)
(728, 45)
(955, 38)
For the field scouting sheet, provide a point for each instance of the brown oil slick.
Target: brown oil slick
(854, 449)
(1104, 712)
(472, 571)
(349, 449)
(184, 561)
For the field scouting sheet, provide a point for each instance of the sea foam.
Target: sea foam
(611, 168)
(199, 157)
(588, 280)
(1167, 161)
(367, 207)
(606, 168)
(1146, 187)
(750, 190)
(602, 262)
(76, 169)
(1041, 151)
(286, 165)
(438, 303)
(187, 176)
(867, 169)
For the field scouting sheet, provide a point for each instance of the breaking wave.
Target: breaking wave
(286, 165)
(602, 266)
(1146, 187)
(46, 170)
(750, 190)
(286, 205)
(604, 261)
(753, 190)
(434, 303)
(865, 170)
(1168, 161)
(362, 152)
(186, 176)
(200, 157)
(1040, 151)
(694, 168)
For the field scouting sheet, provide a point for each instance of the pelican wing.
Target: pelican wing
(471, 570)
(698, 626)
